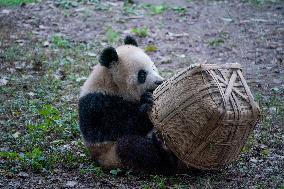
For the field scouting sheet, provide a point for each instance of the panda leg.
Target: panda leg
(105, 154)
(143, 153)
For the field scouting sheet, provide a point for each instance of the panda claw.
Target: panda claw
(147, 98)
(146, 102)
(143, 108)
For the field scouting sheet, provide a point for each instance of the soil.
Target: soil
(209, 32)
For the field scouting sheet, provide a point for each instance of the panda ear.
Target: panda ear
(108, 57)
(130, 41)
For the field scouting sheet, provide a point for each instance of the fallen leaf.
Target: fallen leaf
(91, 54)
(16, 134)
(81, 79)
(31, 94)
(3, 82)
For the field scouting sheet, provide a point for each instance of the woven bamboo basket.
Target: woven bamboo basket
(204, 114)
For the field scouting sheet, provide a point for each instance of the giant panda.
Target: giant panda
(113, 106)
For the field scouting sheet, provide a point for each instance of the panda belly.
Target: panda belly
(116, 131)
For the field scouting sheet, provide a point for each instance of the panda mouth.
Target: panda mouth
(152, 89)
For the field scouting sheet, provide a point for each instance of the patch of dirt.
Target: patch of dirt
(209, 32)
(250, 35)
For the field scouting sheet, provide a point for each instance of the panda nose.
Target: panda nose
(158, 82)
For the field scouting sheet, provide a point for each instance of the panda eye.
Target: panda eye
(142, 75)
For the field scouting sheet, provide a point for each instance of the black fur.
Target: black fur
(108, 57)
(104, 118)
(130, 41)
(142, 75)
(146, 102)
(107, 118)
(143, 153)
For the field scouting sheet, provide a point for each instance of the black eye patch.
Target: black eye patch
(142, 75)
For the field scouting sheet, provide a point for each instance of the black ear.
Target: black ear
(130, 41)
(108, 57)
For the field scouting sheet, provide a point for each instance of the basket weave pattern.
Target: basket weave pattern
(204, 114)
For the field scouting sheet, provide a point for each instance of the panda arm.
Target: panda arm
(146, 102)
(133, 119)
(106, 118)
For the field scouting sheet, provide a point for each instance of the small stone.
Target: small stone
(5, 149)
(14, 184)
(23, 174)
(42, 27)
(11, 70)
(166, 60)
(5, 11)
(46, 43)
(227, 19)
(253, 160)
(272, 110)
(277, 81)
(269, 169)
(71, 183)
(20, 66)
(275, 89)
(59, 74)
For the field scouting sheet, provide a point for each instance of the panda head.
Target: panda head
(132, 71)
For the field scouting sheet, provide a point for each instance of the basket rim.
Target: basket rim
(220, 66)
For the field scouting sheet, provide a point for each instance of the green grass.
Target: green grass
(92, 169)
(60, 42)
(272, 119)
(11, 54)
(112, 35)
(129, 8)
(151, 48)
(272, 109)
(155, 9)
(159, 181)
(141, 32)
(263, 2)
(69, 4)
(15, 2)
(66, 4)
(179, 9)
(160, 9)
(39, 110)
(115, 172)
(219, 40)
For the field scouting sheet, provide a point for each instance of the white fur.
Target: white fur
(122, 78)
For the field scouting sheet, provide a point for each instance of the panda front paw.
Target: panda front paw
(146, 102)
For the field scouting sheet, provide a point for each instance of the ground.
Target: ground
(47, 49)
